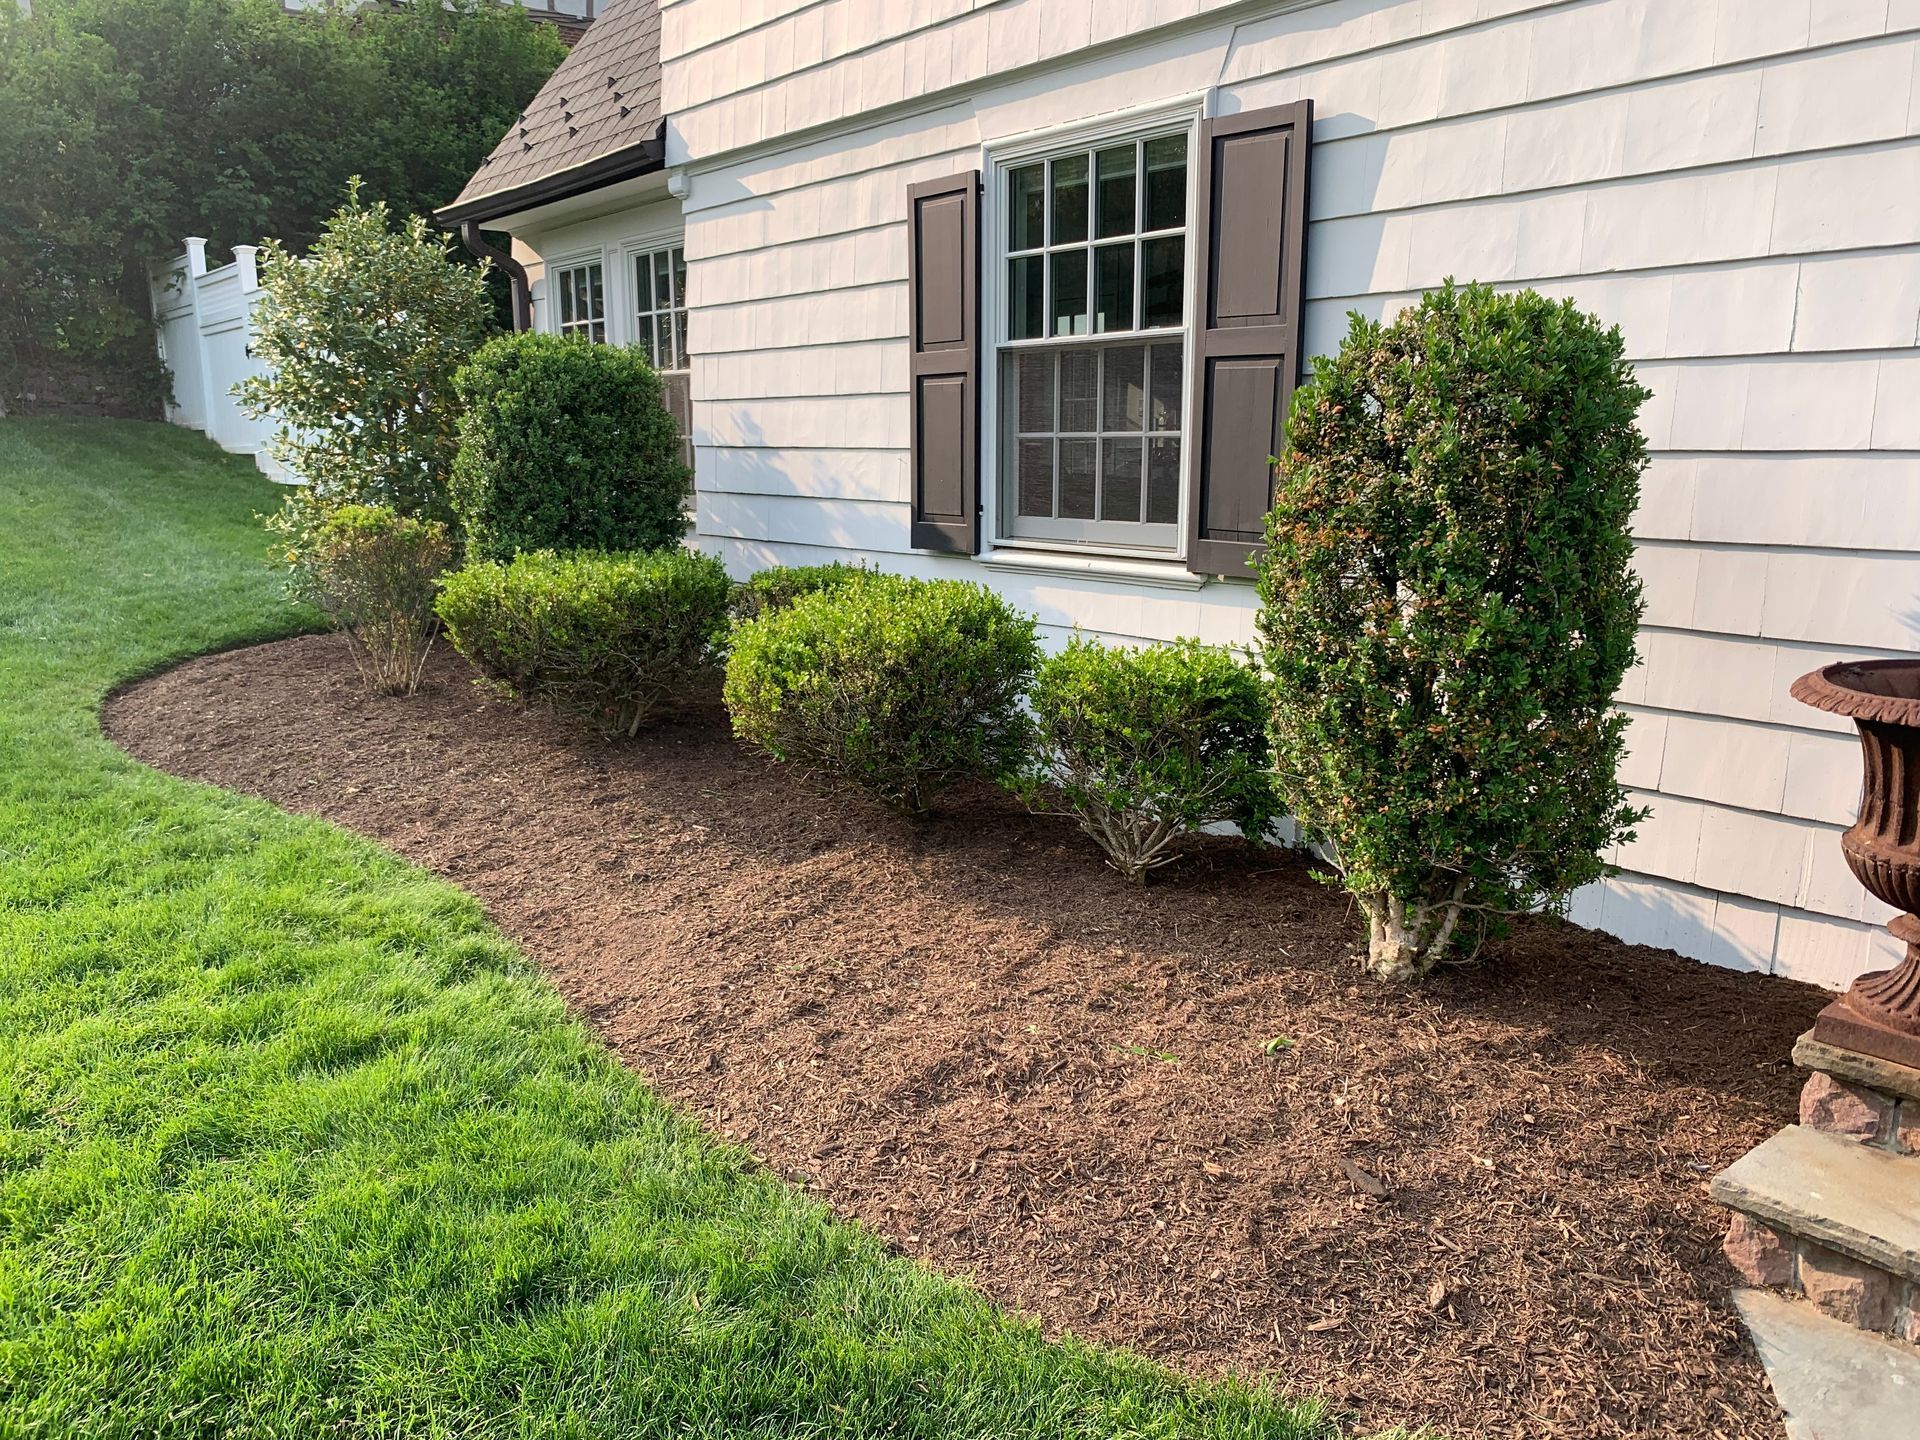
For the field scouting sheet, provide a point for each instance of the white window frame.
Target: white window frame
(997, 476)
(630, 252)
(560, 267)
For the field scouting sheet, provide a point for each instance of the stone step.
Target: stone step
(1832, 1382)
(1857, 1199)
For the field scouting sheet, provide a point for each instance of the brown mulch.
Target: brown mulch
(1477, 1205)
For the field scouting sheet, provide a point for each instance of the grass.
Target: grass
(293, 1143)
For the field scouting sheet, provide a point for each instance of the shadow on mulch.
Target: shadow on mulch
(1175, 1118)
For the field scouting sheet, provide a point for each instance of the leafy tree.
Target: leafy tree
(130, 124)
(1449, 610)
(362, 338)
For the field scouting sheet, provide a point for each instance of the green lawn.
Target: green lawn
(292, 1142)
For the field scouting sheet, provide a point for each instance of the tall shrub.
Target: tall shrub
(1449, 610)
(564, 446)
(361, 338)
(901, 687)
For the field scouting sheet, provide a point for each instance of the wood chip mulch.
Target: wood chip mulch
(1175, 1118)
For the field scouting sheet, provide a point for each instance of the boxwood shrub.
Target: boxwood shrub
(778, 586)
(613, 637)
(565, 446)
(1145, 746)
(900, 687)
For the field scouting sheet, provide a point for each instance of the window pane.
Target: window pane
(670, 356)
(1115, 169)
(1076, 479)
(597, 302)
(680, 339)
(597, 332)
(1165, 263)
(1036, 478)
(1163, 387)
(643, 284)
(1033, 401)
(678, 256)
(566, 279)
(1079, 377)
(1069, 292)
(1122, 390)
(1163, 482)
(1166, 182)
(647, 341)
(1026, 298)
(1113, 287)
(1069, 199)
(1027, 207)
(662, 281)
(1120, 479)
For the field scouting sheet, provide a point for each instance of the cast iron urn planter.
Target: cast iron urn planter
(1880, 1015)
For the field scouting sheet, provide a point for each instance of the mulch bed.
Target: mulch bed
(1477, 1205)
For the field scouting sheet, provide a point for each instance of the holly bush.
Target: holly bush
(1449, 608)
(362, 337)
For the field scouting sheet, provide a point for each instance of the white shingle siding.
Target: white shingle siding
(1736, 183)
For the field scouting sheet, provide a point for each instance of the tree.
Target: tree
(362, 338)
(130, 124)
(1448, 611)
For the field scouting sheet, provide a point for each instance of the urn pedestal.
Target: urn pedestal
(1880, 1014)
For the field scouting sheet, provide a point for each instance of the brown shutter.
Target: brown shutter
(1251, 243)
(676, 393)
(943, 278)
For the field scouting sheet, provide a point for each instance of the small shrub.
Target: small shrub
(374, 572)
(614, 637)
(565, 446)
(901, 687)
(778, 586)
(1145, 746)
(1449, 609)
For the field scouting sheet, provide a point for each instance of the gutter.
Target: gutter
(516, 273)
(623, 164)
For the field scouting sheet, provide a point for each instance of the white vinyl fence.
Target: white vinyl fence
(205, 320)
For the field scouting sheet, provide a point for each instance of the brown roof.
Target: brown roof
(603, 101)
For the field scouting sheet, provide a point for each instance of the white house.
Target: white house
(1016, 290)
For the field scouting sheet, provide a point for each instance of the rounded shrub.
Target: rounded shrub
(1145, 746)
(778, 586)
(1449, 608)
(373, 572)
(565, 446)
(614, 637)
(900, 687)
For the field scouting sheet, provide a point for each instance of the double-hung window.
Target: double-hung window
(1093, 354)
(582, 294)
(660, 306)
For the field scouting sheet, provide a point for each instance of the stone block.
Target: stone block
(1847, 1290)
(1761, 1254)
(1867, 1070)
(1906, 1133)
(1843, 1109)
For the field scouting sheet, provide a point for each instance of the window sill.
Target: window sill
(1168, 574)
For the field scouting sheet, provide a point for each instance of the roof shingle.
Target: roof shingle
(604, 97)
